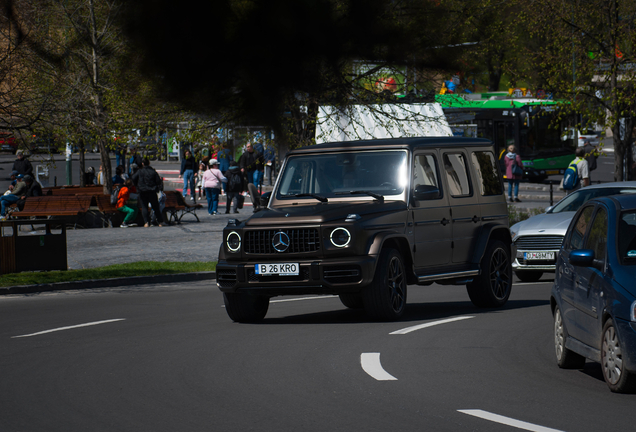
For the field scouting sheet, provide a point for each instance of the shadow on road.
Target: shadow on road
(415, 312)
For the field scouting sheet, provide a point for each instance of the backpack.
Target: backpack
(115, 194)
(571, 176)
(235, 183)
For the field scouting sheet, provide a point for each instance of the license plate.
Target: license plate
(284, 269)
(538, 255)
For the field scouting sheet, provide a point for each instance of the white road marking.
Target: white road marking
(430, 324)
(70, 327)
(371, 364)
(508, 421)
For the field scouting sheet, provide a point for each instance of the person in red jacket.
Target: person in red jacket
(122, 204)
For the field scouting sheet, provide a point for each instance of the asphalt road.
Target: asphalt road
(173, 361)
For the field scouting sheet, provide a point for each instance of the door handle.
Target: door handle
(475, 219)
(445, 221)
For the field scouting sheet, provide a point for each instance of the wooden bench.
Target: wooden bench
(177, 207)
(51, 206)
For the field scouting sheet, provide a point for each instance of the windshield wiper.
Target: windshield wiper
(318, 197)
(362, 192)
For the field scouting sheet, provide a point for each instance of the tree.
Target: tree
(586, 56)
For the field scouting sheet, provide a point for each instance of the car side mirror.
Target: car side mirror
(426, 192)
(265, 198)
(585, 258)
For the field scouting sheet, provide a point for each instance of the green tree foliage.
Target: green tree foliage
(584, 52)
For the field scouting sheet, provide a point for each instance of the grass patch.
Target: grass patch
(515, 215)
(141, 268)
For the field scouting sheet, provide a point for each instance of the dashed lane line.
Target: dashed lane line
(508, 421)
(371, 364)
(70, 327)
(430, 324)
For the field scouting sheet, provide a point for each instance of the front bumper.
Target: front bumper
(326, 276)
(627, 336)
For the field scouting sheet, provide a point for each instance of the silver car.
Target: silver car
(536, 241)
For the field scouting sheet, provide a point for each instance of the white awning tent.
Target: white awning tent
(380, 121)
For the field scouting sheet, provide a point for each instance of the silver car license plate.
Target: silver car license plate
(280, 269)
(538, 256)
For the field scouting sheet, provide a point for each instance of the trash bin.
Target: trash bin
(43, 248)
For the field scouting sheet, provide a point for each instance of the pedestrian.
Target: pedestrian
(199, 185)
(148, 183)
(122, 204)
(18, 192)
(100, 180)
(22, 165)
(582, 169)
(249, 163)
(212, 180)
(33, 187)
(118, 177)
(189, 172)
(224, 156)
(513, 160)
(89, 176)
(234, 187)
(591, 154)
(135, 159)
(270, 164)
(133, 169)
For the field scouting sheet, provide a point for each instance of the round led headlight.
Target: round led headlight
(340, 237)
(233, 241)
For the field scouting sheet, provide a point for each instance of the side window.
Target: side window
(456, 174)
(489, 179)
(425, 177)
(579, 228)
(597, 239)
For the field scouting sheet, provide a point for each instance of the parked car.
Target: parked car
(8, 142)
(593, 299)
(536, 241)
(364, 219)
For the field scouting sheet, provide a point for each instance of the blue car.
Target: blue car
(593, 299)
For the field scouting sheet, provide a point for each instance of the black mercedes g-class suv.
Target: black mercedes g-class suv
(364, 219)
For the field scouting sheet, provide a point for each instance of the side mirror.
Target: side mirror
(426, 192)
(265, 199)
(585, 258)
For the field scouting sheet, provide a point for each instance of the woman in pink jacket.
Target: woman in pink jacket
(213, 178)
(511, 159)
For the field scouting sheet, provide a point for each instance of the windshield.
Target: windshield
(331, 175)
(627, 238)
(576, 199)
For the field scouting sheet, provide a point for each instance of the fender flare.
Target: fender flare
(398, 241)
(490, 231)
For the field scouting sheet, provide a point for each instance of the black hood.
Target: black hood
(323, 212)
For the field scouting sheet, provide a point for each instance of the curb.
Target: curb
(108, 283)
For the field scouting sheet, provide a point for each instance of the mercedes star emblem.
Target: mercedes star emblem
(280, 242)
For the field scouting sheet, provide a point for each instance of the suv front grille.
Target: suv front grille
(548, 242)
(300, 240)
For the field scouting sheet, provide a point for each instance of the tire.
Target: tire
(529, 276)
(566, 359)
(617, 378)
(385, 298)
(245, 308)
(493, 285)
(352, 300)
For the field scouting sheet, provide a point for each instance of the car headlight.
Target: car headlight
(632, 312)
(233, 241)
(340, 237)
